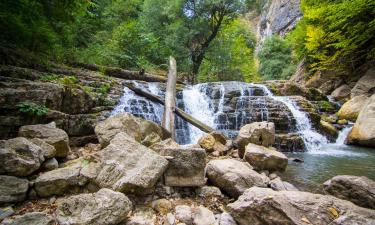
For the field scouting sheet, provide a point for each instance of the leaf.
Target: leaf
(334, 212)
(305, 220)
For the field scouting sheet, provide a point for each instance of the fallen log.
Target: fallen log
(170, 99)
(203, 127)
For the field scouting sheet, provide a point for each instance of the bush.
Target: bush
(48, 78)
(32, 109)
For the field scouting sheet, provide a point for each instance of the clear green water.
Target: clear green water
(331, 160)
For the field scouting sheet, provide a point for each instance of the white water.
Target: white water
(342, 135)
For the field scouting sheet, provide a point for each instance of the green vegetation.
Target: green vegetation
(32, 109)
(49, 78)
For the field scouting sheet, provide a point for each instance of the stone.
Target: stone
(266, 206)
(207, 142)
(48, 150)
(209, 192)
(129, 167)
(12, 189)
(342, 122)
(186, 168)
(226, 219)
(167, 143)
(363, 131)
(184, 214)
(151, 139)
(203, 216)
(104, 207)
(365, 85)
(142, 216)
(6, 212)
(260, 133)
(341, 93)
(262, 158)
(233, 176)
(170, 219)
(162, 206)
(278, 185)
(50, 164)
(329, 130)
(49, 133)
(32, 218)
(350, 110)
(359, 190)
(19, 157)
(291, 142)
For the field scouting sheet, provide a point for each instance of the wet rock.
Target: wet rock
(12, 189)
(128, 166)
(278, 185)
(350, 110)
(265, 206)
(48, 150)
(19, 157)
(104, 207)
(162, 206)
(291, 142)
(342, 122)
(233, 176)
(365, 85)
(226, 219)
(260, 133)
(203, 216)
(363, 131)
(167, 143)
(262, 158)
(359, 190)
(208, 191)
(50, 164)
(186, 167)
(50, 134)
(184, 214)
(33, 218)
(341, 93)
(329, 130)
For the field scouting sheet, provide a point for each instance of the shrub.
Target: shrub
(48, 78)
(32, 109)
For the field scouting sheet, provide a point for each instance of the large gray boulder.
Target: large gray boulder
(341, 93)
(261, 206)
(49, 133)
(359, 190)
(260, 133)
(365, 85)
(13, 189)
(19, 157)
(33, 218)
(186, 167)
(48, 150)
(262, 158)
(363, 131)
(350, 110)
(233, 176)
(105, 207)
(127, 166)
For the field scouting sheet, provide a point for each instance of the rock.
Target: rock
(104, 207)
(127, 166)
(278, 185)
(341, 93)
(262, 158)
(363, 131)
(365, 85)
(170, 219)
(208, 191)
(203, 216)
(48, 150)
(151, 139)
(184, 214)
(186, 168)
(50, 134)
(6, 212)
(207, 142)
(19, 157)
(329, 130)
(359, 190)
(167, 143)
(12, 189)
(291, 142)
(350, 110)
(162, 206)
(50, 164)
(226, 219)
(233, 176)
(142, 216)
(265, 206)
(260, 133)
(32, 218)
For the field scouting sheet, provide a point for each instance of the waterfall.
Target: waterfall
(343, 134)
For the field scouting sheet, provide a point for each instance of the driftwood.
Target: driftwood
(203, 127)
(170, 98)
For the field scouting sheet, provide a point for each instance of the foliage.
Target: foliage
(70, 81)
(32, 109)
(48, 78)
(276, 60)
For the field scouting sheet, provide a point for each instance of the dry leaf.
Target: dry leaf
(334, 212)
(305, 220)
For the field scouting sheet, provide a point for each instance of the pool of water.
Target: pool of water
(329, 161)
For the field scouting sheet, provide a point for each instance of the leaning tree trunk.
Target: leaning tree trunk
(170, 98)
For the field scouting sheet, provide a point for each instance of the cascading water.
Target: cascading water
(343, 134)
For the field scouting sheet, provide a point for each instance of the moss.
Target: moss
(325, 106)
(314, 94)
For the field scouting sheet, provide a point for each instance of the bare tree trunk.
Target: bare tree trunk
(170, 98)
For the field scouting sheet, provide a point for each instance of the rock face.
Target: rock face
(13, 189)
(128, 166)
(186, 168)
(233, 176)
(359, 190)
(262, 158)
(365, 85)
(341, 93)
(33, 218)
(260, 133)
(350, 110)
(105, 207)
(19, 157)
(50, 134)
(265, 206)
(363, 131)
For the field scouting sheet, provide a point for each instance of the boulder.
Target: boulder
(167, 143)
(19, 157)
(262, 158)
(162, 206)
(208, 192)
(186, 167)
(127, 166)
(207, 142)
(278, 185)
(351, 108)
(329, 130)
(365, 85)
(341, 93)
(12, 189)
(32, 218)
(203, 216)
(359, 190)
(266, 206)
(104, 207)
(50, 164)
(49, 133)
(363, 131)
(184, 214)
(233, 176)
(48, 150)
(225, 219)
(260, 133)
(291, 142)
